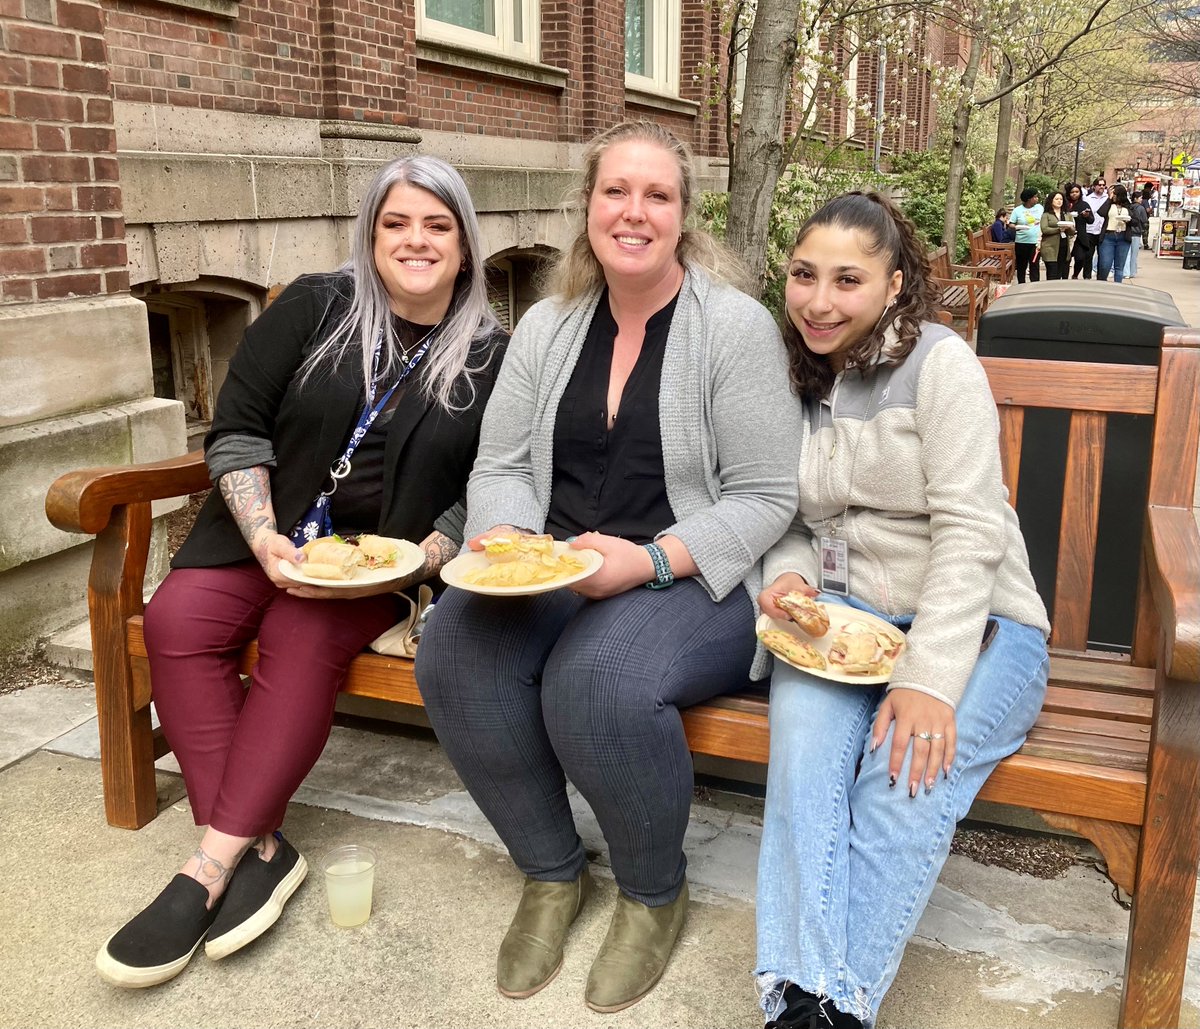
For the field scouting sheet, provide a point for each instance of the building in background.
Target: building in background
(165, 164)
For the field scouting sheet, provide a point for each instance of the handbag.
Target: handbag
(402, 638)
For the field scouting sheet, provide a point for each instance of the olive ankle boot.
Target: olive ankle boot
(532, 951)
(635, 952)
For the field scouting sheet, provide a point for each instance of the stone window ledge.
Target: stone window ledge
(467, 58)
(224, 8)
(661, 102)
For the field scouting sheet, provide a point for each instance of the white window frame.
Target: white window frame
(500, 42)
(666, 40)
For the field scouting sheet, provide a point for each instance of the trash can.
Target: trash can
(1069, 320)
(1191, 252)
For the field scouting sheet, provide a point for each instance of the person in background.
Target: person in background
(1058, 231)
(1115, 243)
(1088, 242)
(632, 416)
(899, 476)
(1139, 227)
(1078, 211)
(1001, 231)
(352, 404)
(1027, 219)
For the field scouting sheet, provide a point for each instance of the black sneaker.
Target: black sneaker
(255, 898)
(156, 944)
(804, 1010)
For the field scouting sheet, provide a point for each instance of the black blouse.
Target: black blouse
(356, 503)
(611, 480)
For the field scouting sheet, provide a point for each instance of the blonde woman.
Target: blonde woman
(632, 415)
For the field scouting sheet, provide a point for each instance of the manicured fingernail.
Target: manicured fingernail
(928, 789)
(912, 789)
(571, 539)
(873, 746)
(891, 782)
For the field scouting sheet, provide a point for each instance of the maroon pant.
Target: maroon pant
(244, 752)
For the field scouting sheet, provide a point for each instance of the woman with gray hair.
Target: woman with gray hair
(352, 406)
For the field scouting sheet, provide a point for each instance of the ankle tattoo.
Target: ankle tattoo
(210, 871)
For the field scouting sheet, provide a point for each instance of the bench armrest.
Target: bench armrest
(82, 501)
(1173, 564)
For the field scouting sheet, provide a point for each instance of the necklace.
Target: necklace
(416, 345)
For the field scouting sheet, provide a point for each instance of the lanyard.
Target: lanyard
(317, 520)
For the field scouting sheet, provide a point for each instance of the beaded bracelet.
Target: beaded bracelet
(663, 576)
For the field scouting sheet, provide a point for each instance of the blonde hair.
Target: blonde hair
(577, 272)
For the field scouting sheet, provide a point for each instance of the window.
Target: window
(652, 45)
(501, 26)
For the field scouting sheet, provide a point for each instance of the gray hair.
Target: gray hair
(369, 317)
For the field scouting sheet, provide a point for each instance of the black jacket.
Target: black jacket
(428, 453)
(1102, 213)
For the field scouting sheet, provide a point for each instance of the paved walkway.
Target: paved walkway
(995, 947)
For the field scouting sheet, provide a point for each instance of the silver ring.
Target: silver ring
(925, 736)
(939, 736)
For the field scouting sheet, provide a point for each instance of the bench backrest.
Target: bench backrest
(939, 262)
(1093, 394)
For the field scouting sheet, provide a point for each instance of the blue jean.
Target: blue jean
(1113, 251)
(1134, 246)
(847, 865)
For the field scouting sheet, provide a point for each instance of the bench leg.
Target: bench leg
(1159, 925)
(126, 740)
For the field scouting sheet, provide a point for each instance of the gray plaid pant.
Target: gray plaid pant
(526, 692)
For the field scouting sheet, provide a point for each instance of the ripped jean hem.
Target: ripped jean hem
(770, 986)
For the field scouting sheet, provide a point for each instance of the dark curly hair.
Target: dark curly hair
(888, 232)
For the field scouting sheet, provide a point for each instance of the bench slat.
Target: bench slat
(1066, 787)
(1115, 706)
(1111, 676)
(1012, 427)
(1072, 385)
(1077, 530)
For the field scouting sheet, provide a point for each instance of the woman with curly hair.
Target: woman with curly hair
(903, 513)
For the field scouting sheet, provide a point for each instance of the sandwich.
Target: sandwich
(805, 612)
(516, 546)
(329, 558)
(377, 551)
(859, 649)
(792, 649)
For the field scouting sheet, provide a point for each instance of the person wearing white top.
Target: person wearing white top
(1117, 220)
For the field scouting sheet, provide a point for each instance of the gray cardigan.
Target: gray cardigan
(724, 409)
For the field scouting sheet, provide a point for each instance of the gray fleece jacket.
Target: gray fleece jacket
(724, 403)
(904, 464)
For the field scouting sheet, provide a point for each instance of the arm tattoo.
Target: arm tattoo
(439, 549)
(247, 494)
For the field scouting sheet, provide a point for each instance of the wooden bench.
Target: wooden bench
(1114, 756)
(960, 292)
(990, 259)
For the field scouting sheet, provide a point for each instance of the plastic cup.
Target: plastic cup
(349, 881)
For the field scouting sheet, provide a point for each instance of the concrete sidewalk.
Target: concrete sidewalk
(995, 947)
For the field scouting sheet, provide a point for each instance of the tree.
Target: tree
(983, 20)
(797, 53)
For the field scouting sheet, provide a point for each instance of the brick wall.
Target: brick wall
(267, 61)
(61, 229)
(456, 100)
(368, 60)
(603, 65)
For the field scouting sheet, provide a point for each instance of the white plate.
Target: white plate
(453, 572)
(410, 558)
(839, 616)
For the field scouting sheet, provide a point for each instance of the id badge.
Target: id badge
(835, 566)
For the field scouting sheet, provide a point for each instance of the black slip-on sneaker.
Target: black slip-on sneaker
(255, 898)
(158, 942)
